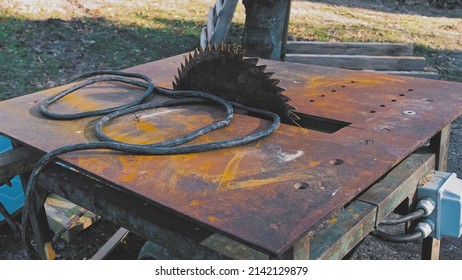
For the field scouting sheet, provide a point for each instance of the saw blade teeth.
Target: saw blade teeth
(241, 54)
(291, 108)
(294, 116)
(279, 89)
(252, 60)
(274, 82)
(262, 68)
(285, 98)
(176, 82)
(223, 46)
(269, 74)
(236, 49)
(264, 92)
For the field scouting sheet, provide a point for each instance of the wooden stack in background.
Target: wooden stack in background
(387, 58)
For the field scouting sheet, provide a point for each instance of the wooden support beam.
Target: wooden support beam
(440, 144)
(399, 184)
(343, 231)
(360, 62)
(349, 48)
(67, 219)
(110, 245)
(232, 249)
(415, 74)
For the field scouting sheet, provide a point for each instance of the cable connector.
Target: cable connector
(426, 227)
(427, 204)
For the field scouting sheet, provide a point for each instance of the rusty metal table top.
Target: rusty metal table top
(267, 194)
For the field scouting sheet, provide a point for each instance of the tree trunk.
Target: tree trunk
(266, 24)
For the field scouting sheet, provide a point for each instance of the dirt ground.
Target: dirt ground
(46, 51)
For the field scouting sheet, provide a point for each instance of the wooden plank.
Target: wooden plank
(17, 161)
(66, 219)
(343, 231)
(430, 248)
(301, 249)
(350, 48)
(232, 249)
(415, 74)
(440, 144)
(398, 184)
(111, 244)
(360, 62)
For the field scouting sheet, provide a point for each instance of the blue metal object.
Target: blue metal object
(445, 189)
(11, 197)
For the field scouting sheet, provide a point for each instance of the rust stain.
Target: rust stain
(129, 165)
(261, 182)
(325, 81)
(80, 102)
(313, 164)
(211, 219)
(195, 202)
(94, 161)
(205, 166)
(230, 172)
(49, 251)
(147, 127)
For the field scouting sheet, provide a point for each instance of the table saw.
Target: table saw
(283, 196)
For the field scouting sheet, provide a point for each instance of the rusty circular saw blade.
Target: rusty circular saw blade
(223, 71)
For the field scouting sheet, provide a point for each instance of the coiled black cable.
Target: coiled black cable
(419, 213)
(117, 76)
(167, 147)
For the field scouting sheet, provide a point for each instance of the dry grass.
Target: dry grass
(45, 42)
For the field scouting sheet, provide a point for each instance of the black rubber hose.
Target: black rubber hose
(149, 85)
(419, 213)
(168, 147)
(402, 238)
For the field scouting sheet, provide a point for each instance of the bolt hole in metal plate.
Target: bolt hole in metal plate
(354, 103)
(409, 113)
(336, 161)
(301, 186)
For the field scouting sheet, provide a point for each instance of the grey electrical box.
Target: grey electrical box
(445, 189)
